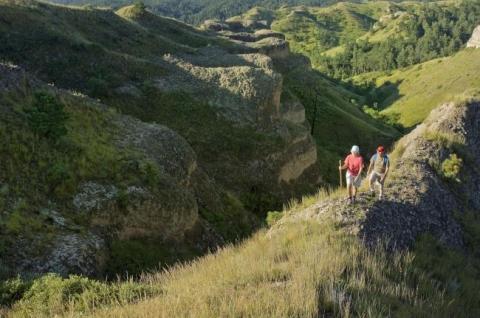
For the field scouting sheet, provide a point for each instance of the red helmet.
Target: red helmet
(381, 149)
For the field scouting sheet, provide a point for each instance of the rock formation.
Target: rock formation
(474, 41)
(169, 202)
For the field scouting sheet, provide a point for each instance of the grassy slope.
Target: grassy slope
(339, 122)
(312, 30)
(413, 92)
(304, 269)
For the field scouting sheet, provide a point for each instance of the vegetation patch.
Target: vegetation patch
(451, 167)
(53, 295)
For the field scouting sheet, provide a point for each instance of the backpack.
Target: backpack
(386, 161)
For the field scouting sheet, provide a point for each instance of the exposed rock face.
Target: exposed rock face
(274, 47)
(214, 25)
(160, 144)
(302, 156)
(418, 197)
(247, 95)
(474, 41)
(83, 254)
(293, 111)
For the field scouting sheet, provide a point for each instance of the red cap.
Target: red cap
(380, 149)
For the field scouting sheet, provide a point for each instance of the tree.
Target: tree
(46, 116)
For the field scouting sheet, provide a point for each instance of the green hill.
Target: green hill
(347, 39)
(410, 94)
(197, 11)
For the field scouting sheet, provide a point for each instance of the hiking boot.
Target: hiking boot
(354, 200)
(349, 201)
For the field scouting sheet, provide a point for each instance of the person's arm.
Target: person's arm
(344, 166)
(370, 166)
(360, 172)
(387, 168)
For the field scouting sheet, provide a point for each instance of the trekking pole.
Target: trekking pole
(340, 173)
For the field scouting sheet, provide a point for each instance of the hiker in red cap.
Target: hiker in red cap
(378, 170)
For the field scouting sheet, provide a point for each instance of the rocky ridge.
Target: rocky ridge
(419, 197)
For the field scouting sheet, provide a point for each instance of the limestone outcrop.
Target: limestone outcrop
(474, 41)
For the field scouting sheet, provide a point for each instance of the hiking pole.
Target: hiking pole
(340, 173)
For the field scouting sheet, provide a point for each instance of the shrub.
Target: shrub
(51, 294)
(273, 217)
(46, 116)
(12, 290)
(139, 5)
(451, 167)
(97, 87)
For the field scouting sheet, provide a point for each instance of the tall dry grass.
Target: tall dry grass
(302, 270)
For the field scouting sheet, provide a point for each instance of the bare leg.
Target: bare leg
(381, 190)
(372, 183)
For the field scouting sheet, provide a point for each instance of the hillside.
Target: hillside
(195, 137)
(408, 95)
(334, 111)
(151, 168)
(313, 261)
(197, 11)
(347, 39)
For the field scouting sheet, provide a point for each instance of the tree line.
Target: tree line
(432, 32)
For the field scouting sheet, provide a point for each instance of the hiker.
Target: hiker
(379, 167)
(354, 165)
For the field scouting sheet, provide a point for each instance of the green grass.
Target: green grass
(410, 94)
(312, 30)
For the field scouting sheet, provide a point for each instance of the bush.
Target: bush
(97, 87)
(12, 290)
(51, 295)
(273, 217)
(451, 167)
(46, 116)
